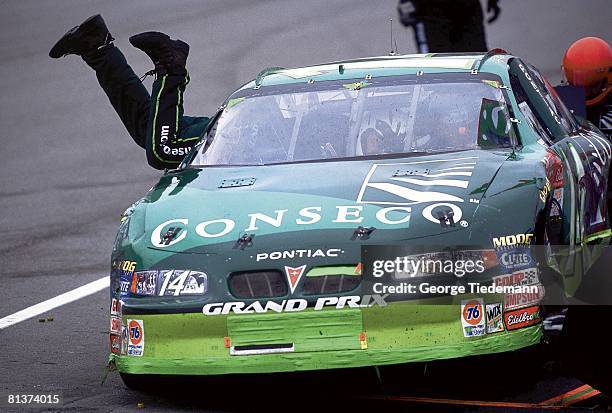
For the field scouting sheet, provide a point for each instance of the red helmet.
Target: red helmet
(587, 61)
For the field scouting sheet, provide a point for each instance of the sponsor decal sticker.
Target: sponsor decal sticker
(554, 169)
(512, 240)
(495, 321)
(545, 191)
(514, 258)
(294, 275)
(126, 270)
(528, 276)
(472, 317)
(136, 338)
(144, 283)
(558, 195)
(523, 317)
(124, 339)
(115, 344)
(115, 325)
(125, 287)
(177, 282)
(517, 300)
(115, 308)
(363, 340)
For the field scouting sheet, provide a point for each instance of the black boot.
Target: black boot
(88, 36)
(169, 56)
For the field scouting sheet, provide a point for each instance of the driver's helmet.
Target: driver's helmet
(452, 128)
(587, 62)
(370, 142)
(454, 121)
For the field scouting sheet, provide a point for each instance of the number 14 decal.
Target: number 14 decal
(172, 283)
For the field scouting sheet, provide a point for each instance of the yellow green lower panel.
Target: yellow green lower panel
(195, 344)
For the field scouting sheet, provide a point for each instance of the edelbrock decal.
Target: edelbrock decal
(521, 318)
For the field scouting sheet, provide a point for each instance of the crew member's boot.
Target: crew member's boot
(169, 56)
(88, 36)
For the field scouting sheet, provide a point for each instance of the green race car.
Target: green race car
(248, 257)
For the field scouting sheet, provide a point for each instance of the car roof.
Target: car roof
(494, 61)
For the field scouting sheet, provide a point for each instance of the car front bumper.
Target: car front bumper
(194, 344)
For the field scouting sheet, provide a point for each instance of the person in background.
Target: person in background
(447, 25)
(587, 64)
(155, 122)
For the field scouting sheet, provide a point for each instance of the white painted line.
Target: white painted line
(50, 304)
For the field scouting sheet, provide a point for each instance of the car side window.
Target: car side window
(528, 110)
(530, 86)
(552, 97)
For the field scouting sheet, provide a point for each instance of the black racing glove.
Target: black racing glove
(493, 7)
(407, 12)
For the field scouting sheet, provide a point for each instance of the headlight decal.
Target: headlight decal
(169, 283)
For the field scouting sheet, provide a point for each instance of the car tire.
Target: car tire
(137, 382)
(586, 346)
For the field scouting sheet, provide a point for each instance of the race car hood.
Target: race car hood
(302, 204)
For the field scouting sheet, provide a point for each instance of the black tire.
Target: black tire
(586, 346)
(138, 382)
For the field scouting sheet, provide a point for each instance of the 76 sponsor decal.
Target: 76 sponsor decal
(472, 317)
(136, 338)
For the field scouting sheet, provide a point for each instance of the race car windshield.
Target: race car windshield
(358, 120)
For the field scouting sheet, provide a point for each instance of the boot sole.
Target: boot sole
(152, 37)
(61, 47)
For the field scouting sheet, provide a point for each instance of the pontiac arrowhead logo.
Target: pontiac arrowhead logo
(294, 275)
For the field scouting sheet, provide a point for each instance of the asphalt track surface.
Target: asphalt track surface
(68, 169)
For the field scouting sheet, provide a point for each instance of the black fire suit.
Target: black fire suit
(155, 122)
(452, 25)
(601, 116)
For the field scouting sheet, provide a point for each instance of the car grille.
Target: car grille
(330, 284)
(257, 284)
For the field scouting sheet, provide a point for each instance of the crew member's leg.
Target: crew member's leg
(92, 41)
(170, 135)
(435, 17)
(467, 30)
(124, 89)
(452, 25)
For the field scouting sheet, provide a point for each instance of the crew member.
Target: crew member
(588, 64)
(155, 122)
(449, 25)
